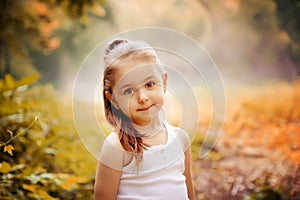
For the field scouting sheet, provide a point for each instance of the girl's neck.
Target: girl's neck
(152, 129)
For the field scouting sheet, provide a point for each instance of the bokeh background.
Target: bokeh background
(254, 43)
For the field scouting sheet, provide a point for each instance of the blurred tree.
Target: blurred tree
(288, 15)
(34, 25)
(252, 30)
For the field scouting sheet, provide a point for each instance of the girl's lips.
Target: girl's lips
(144, 109)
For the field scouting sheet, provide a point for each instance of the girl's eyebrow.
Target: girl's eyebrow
(150, 77)
(130, 85)
(125, 86)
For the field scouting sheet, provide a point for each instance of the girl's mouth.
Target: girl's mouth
(144, 109)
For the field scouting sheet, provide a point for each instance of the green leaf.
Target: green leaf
(9, 81)
(18, 167)
(1, 84)
(31, 188)
(98, 10)
(28, 80)
(5, 167)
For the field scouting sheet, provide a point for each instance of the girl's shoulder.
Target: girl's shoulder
(180, 134)
(113, 139)
(112, 152)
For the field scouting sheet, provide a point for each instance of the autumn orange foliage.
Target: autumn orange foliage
(267, 117)
(47, 23)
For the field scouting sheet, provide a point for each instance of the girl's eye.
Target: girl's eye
(128, 91)
(150, 84)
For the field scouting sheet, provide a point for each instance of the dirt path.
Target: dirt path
(235, 176)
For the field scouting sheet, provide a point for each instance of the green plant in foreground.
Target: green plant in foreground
(267, 192)
(29, 134)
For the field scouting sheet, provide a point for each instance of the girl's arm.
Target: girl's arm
(109, 169)
(188, 174)
(106, 182)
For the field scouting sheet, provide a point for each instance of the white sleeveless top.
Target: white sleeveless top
(160, 173)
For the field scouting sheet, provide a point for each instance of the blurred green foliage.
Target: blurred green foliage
(266, 192)
(37, 145)
(204, 145)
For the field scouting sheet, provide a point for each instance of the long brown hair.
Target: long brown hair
(117, 50)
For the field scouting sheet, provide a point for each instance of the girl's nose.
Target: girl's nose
(142, 97)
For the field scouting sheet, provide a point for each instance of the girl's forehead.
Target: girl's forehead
(135, 72)
(125, 66)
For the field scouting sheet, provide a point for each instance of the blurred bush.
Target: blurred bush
(37, 144)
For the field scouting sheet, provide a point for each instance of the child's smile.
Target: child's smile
(139, 91)
(145, 109)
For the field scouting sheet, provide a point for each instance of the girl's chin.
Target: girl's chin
(146, 121)
(145, 118)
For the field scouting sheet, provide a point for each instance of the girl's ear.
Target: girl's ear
(109, 96)
(165, 77)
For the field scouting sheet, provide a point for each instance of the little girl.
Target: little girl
(144, 157)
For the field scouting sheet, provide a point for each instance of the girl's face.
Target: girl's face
(138, 90)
